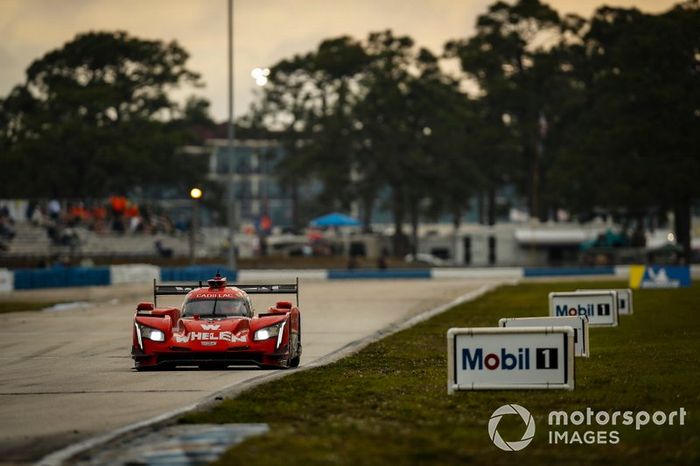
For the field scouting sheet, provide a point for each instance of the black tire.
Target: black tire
(146, 368)
(294, 362)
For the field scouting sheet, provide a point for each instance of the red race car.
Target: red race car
(217, 328)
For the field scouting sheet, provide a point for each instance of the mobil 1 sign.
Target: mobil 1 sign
(624, 300)
(495, 358)
(599, 306)
(578, 323)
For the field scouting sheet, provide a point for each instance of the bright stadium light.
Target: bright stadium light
(195, 193)
(260, 75)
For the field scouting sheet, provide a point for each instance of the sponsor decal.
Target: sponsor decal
(215, 296)
(588, 310)
(655, 276)
(210, 327)
(211, 336)
(474, 359)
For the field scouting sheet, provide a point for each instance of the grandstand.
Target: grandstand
(33, 243)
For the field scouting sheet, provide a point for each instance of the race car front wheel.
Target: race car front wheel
(294, 362)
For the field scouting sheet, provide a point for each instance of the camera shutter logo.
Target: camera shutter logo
(527, 419)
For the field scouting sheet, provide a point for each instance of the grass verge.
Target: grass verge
(388, 403)
(18, 306)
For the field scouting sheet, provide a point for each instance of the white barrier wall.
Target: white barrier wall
(261, 275)
(7, 282)
(133, 273)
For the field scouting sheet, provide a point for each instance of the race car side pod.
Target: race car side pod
(182, 289)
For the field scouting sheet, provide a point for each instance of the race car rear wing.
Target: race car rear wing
(182, 289)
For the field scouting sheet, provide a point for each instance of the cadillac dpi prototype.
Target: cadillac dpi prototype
(217, 327)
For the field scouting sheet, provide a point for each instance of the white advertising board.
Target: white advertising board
(495, 358)
(624, 300)
(133, 273)
(6, 280)
(600, 306)
(578, 323)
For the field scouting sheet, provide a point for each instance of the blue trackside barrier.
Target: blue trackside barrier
(25, 279)
(567, 271)
(60, 277)
(196, 273)
(378, 274)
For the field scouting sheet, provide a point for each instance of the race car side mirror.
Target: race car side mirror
(145, 306)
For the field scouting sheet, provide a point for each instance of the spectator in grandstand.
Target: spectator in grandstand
(54, 210)
(32, 207)
(118, 204)
(131, 214)
(99, 216)
(7, 230)
(163, 251)
(78, 214)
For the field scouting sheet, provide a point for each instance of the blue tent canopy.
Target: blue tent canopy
(335, 220)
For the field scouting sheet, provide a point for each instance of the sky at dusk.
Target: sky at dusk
(265, 30)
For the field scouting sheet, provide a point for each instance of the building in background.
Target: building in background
(260, 197)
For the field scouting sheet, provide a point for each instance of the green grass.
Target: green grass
(388, 404)
(17, 306)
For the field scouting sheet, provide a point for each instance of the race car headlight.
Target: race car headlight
(152, 334)
(267, 332)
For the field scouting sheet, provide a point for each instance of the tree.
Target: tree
(501, 58)
(359, 118)
(97, 112)
(636, 136)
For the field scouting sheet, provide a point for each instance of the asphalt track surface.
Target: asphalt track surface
(66, 375)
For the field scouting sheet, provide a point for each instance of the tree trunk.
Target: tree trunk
(480, 208)
(414, 228)
(682, 225)
(398, 208)
(296, 221)
(491, 206)
(533, 181)
(367, 208)
(456, 223)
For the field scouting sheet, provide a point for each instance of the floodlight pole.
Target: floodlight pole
(231, 207)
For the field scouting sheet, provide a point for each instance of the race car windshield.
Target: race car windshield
(219, 307)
